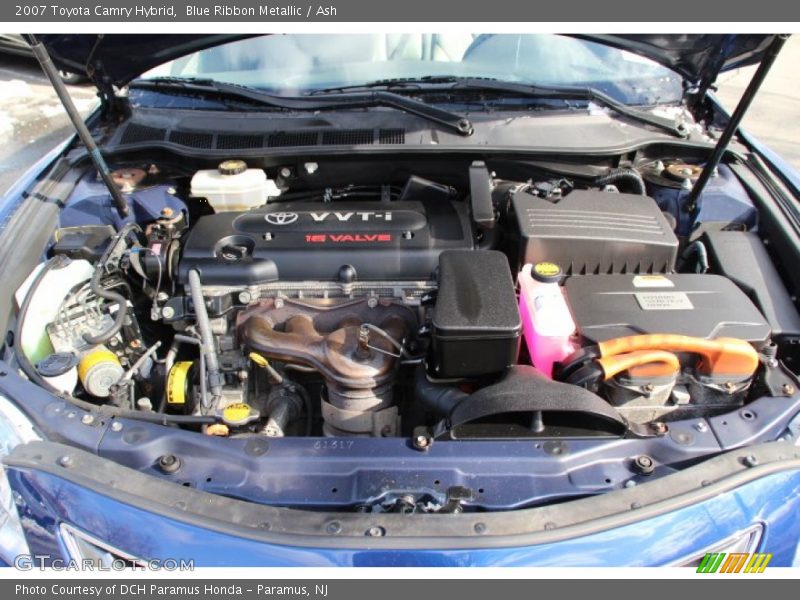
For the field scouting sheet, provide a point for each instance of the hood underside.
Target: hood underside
(119, 58)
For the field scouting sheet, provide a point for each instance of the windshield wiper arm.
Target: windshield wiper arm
(392, 83)
(448, 119)
(547, 92)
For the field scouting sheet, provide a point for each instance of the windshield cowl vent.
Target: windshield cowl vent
(137, 133)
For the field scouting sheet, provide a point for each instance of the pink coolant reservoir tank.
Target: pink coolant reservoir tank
(546, 319)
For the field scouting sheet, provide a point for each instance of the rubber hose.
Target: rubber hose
(629, 176)
(698, 248)
(206, 336)
(113, 297)
(438, 397)
(301, 391)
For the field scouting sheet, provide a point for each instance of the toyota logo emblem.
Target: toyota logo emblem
(281, 218)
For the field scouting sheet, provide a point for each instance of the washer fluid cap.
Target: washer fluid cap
(56, 364)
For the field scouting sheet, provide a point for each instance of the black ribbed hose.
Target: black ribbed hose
(627, 176)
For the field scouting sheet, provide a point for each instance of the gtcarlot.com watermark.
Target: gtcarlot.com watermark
(40, 562)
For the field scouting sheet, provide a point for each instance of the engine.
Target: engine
(382, 309)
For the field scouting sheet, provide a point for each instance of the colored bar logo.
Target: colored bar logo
(734, 562)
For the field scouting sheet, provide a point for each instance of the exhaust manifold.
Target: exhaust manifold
(344, 343)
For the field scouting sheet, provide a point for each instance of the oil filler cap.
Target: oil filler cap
(546, 272)
(232, 167)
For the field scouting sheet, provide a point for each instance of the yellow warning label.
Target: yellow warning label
(659, 281)
(176, 382)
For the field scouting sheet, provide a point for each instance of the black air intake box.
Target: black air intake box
(589, 232)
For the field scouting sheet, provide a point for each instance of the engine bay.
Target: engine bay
(288, 302)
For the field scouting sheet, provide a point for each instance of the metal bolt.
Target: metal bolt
(648, 388)
(372, 302)
(167, 312)
(730, 387)
(479, 528)
(643, 464)
(65, 461)
(375, 531)
(421, 441)
(659, 427)
(751, 461)
(285, 172)
(87, 419)
(245, 297)
(630, 483)
(162, 296)
(169, 463)
(363, 341)
(116, 426)
(788, 389)
(333, 527)
(172, 191)
(701, 427)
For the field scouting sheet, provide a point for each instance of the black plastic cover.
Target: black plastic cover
(590, 231)
(87, 242)
(305, 241)
(708, 306)
(480, 192)
(742, 257)
(476, 322)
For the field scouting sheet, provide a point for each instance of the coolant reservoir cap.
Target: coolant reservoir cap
(56, 364)
(232, 167)
(546, 272)
(239, 414)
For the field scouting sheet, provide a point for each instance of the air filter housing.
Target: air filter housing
(594, 232)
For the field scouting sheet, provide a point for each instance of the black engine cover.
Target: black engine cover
(301, 241)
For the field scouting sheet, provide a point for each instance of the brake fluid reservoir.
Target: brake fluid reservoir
(547, 323)
(233, 187)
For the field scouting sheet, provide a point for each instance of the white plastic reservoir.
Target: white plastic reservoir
(46, 300)
(233, 187)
